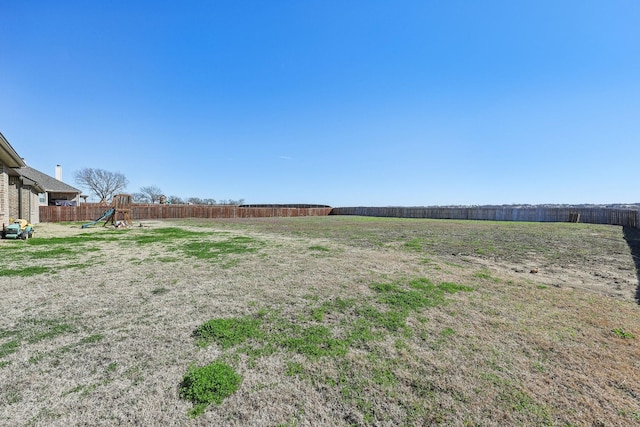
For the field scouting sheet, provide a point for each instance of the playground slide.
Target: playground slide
(107, 214)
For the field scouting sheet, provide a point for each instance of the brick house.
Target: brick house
(18, 194)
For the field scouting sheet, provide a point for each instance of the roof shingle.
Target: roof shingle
(49, 183)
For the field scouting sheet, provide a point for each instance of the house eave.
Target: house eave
(8, 155)
(26, 182)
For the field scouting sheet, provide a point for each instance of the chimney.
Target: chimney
(59, 172)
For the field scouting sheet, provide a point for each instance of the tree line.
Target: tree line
(105, 184)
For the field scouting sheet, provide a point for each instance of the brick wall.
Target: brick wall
(4, 195)
(14, 197)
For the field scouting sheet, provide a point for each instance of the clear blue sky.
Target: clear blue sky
(334, 102)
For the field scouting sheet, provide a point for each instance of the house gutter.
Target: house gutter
(26, 182)
(8, 155)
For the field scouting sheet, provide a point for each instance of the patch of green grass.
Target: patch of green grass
(427, 261)
(11, 397)
(621, 333)
(47, 329)
(92, 338)
(421, 294)
(486, 275)
(75, 389)
(9, 347)
(4, 333)
(80, 265)
(485, 250)
(414, 245)
(55, 248)
(539, 366)
(315, 341)
(356, 383)
(70, 240)
(319, 248)
(167, 234)
(447, 332)
(329, 330)
(227, 332)
(24, 271)
(210, 250)
(4, 363)
(209, 384)
(58, 252)
(294, 369)
(82, 390)
(384, 376)
(390, 320)
(403, 299)
(33, 331)
(521, 402)
(360, 322)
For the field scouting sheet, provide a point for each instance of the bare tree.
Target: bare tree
(175, 200)
(102, 183)
(231, 202)
(194, 200)
(139, 198)
(152, 193)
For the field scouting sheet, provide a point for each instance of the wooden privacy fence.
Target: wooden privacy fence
(592, 215)
(93, 211)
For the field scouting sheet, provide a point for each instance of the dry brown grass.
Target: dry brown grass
(104, 335)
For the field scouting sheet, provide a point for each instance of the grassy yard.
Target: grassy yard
(320, 321)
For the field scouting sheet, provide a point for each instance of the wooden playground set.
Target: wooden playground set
(118, 214)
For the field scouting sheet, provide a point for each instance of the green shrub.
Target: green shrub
(209, 384)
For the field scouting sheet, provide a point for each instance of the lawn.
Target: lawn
(320, 321)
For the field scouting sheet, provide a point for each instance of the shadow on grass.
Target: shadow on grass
(632, 237)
